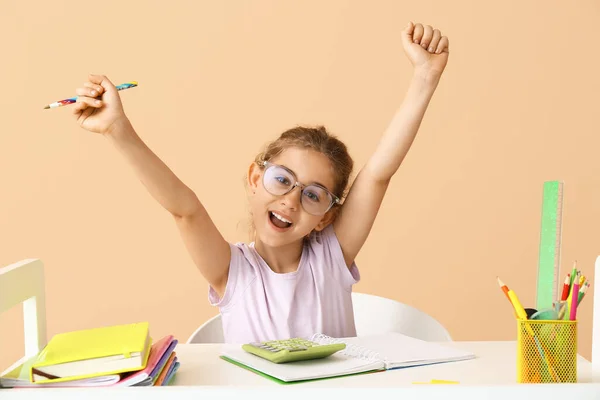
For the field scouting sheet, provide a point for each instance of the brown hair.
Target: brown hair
(320, 140)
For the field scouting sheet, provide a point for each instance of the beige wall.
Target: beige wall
(517, 106)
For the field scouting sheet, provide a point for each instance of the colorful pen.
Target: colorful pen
(72, 100)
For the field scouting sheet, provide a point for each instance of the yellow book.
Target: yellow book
(93, 352)
(18, 377)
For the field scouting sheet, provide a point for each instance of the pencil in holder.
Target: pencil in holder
(546, 351)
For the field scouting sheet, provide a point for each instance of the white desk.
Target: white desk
(204, 375)
(495, 365)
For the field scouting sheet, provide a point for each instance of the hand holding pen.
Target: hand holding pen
(98, 106)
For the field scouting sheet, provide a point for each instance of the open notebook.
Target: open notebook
(362, 354)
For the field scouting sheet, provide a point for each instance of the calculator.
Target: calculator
(295, 349)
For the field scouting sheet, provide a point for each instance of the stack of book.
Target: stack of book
(119, 355)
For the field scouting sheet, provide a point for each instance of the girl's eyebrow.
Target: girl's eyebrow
(296, 176)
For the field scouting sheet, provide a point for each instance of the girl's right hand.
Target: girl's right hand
(98, 107)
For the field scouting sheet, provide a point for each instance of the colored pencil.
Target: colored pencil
(72, 100)
(582, 292)
(565, 292)
(574, 298)
(503, 287)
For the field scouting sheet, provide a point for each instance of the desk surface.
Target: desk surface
(491, 375)
(494, 365)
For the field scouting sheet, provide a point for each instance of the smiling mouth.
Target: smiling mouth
(279, 221)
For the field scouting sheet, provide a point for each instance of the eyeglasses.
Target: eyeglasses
(279, 180)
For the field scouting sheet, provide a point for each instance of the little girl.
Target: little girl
(296, 278)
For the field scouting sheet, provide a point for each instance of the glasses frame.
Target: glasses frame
(334, 199)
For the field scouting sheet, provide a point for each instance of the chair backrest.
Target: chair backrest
(23, 282)
(372, 315)
(375, 314)
(209, 332)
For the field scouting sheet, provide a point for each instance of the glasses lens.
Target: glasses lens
(277, 180)
(315, 200)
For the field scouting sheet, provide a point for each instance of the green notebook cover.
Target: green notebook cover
(292, 382)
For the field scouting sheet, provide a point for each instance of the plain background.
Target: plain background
(517, 106)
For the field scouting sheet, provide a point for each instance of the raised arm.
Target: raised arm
(209, 251)
(427, 50)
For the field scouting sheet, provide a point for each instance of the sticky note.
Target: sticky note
(437, 382)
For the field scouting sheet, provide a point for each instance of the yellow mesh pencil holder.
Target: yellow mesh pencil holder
(546, 351)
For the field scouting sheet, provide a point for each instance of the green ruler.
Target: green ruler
(550, 238)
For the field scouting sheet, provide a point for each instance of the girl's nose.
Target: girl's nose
(292, 199)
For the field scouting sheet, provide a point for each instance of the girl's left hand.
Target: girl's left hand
(426, 48)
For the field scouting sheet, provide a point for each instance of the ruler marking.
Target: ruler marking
(550, 244)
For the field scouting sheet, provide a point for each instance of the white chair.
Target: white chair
(372, 315)
(209, 332)
(23, 282)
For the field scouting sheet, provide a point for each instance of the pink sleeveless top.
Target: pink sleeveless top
(260, 305)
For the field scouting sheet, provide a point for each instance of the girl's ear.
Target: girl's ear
(254, 173)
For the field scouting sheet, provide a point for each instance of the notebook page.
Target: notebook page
(334, 365)
(351, 350)
(400, 350)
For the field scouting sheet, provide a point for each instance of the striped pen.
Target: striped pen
(72, 100)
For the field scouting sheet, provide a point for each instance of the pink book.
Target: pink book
(159, 353)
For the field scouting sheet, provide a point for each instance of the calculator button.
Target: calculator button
(298, 348)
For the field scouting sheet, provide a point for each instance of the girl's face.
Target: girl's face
(283, 219)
